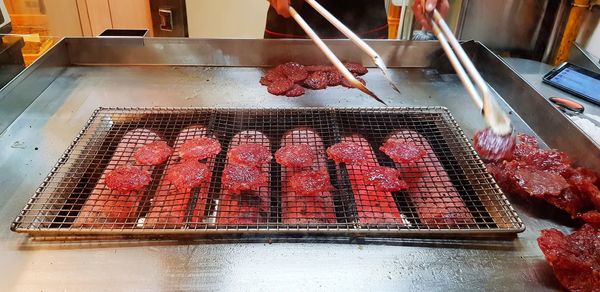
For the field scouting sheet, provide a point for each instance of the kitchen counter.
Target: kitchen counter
(36, 139)
(533, 71)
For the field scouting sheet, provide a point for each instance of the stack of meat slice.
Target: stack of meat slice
(245, 194)
(290, 79)
(547, 174)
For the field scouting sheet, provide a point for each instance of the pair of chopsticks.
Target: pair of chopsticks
(494, 117)
(332, 57)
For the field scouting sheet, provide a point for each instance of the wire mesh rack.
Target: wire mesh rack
(450, 191)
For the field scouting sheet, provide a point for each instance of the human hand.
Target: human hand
(281, 6)
(423, 14)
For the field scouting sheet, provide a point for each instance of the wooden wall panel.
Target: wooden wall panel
(63, 18)
(84, 18)
(99, 15)
(130, 14)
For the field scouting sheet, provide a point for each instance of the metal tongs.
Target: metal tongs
(332, 57)
(493, 115)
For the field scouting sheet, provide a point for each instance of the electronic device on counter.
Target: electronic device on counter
(575, 80)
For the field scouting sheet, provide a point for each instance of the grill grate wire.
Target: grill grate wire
(451, 191)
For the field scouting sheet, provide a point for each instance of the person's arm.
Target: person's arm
(423, 14)
(281, 6)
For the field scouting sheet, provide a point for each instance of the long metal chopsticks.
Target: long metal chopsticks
(331, 56)
(355, 39)
(493, 115)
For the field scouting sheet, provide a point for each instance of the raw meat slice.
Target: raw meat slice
(127, 178)
(274, 74)
(296, 90)
(546, 174)
(581, 195)
(348, 152)
(294, 71)
(188, 174)
(250, 154)
(541, 173)
(384, 179)
(280, 86)
(493, 147)
(154, 153)
(529, 181)
(592, 218)
(334, 78)
(265, 81)
(540, 183)
(285, 79)
(310, 182)
(198, 148)
(575, 258)
(435, 198)
(312, 208)
(527, 151)
(238, 178)
(316, 80)
(548, 159)
(373, 206)
(322, 68)
(525, 145)
(583, 181)
(295, 156)
(570, 201)
(402, 151)
(356, 68)
(105, 208)
(248, 207)
(169, 204)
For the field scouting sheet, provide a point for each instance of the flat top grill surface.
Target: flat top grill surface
(454, 196)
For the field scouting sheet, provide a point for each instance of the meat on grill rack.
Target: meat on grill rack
(169, 204)
(430, 189)
(243, 205)
(301, 149)
(373, 206)
(106, 208)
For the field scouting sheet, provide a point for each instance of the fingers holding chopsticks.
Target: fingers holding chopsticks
(281, 6)
(423, 10)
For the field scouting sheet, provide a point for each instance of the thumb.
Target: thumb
(430, 5)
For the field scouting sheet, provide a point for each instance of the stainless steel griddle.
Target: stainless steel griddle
(45, 108)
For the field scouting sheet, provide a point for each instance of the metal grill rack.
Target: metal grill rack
(455, 197)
